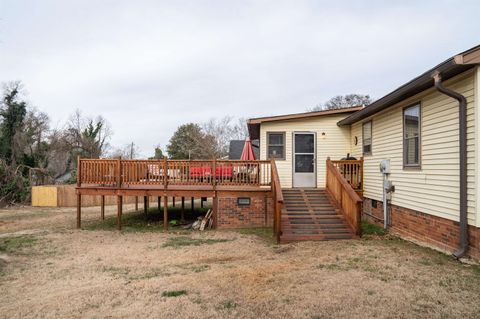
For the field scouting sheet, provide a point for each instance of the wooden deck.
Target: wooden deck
(181, 178)
(170, 178)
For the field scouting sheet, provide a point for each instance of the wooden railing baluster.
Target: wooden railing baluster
(352, 171)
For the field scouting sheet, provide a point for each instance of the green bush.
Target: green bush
(372, 229)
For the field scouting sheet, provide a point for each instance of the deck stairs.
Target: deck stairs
(310, 215)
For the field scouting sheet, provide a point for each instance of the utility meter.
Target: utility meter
(388, 186)
(385, 166)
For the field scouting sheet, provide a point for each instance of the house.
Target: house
(427, 130)
(301, 143)
(409, 161)
(236, 147)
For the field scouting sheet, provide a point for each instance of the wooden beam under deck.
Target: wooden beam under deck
(182, 217)
(119, 211)
(165, 213)
(215, 211)
(79, 211)
(102, 208)
(145, 192)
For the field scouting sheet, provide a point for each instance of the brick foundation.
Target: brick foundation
(258, 214)
(434, 231)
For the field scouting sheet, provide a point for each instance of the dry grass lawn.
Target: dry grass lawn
(50, 270)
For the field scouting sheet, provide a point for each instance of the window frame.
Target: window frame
(416, 166)
(283, 158)
(363, 138)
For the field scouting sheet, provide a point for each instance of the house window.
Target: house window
(411, 136)
(276, 145)
(367, 138)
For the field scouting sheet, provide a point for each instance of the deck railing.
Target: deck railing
(352, 171)
(346, 199)
(126, 173)
(277, 202)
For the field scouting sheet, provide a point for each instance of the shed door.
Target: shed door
(304, 160)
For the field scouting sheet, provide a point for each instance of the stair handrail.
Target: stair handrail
(277, 201)
(345, 197)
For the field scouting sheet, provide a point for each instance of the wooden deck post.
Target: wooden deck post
(165, 172)
(145, 204)
(192, 206)
(165, 212)
(136, 203)
(102, 207)
(173, 201)
(79, 211)
(79, 197)
(215, 210)
(201, 202)
(182, 214)
(159, 203)
(119, 211)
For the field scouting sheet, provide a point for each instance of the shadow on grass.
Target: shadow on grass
(138, 221)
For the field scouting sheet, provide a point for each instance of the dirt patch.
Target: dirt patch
(53, 270)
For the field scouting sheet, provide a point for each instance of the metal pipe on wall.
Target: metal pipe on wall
(462, 111)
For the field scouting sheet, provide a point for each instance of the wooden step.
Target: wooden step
(287, 231)
(316, 231)
(334, 228)
(309, 215)
(305, 212)
(293, 206)
(294, 238)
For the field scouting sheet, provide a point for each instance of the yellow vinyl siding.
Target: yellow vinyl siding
(475, 143)
(335, 143)
(434, 189)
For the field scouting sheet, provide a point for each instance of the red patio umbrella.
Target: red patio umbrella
(247, 153)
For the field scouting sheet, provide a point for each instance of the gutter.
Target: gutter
(462, 111)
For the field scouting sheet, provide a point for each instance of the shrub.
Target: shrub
(14, 187)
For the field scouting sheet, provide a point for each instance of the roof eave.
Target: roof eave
(253, 124)
(294, 116)
(449, 68)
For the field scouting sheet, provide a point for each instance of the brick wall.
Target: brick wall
(258, 214)
(425, 228)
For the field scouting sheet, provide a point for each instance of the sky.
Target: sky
(150, 66)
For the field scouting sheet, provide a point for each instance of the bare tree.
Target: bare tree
(224, 130)
(344, 101)
(86, 136)
(129, 151)
(60, 159)
(32, 139)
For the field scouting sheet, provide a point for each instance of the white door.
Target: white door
(304, 160)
